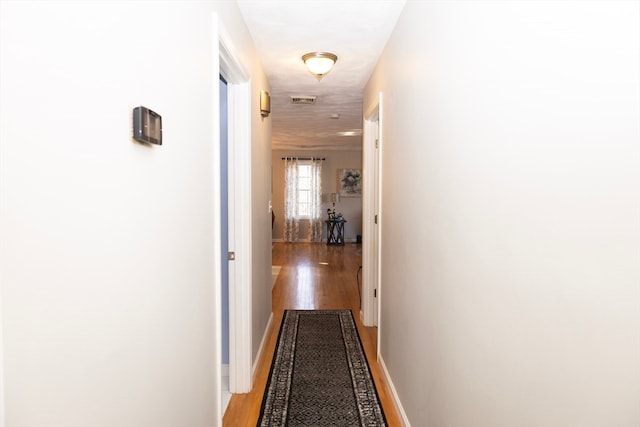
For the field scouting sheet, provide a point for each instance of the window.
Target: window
(304, 190)
(302, 198)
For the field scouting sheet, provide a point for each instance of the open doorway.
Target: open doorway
(224, 239)
(335, 164)
(233, 230)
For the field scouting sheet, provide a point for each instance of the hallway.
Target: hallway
(508, 142)
(313, 276)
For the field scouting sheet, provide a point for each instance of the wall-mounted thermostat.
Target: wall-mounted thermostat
(147, 126)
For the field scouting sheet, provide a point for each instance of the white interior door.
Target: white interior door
(371, 216)
(375, 267)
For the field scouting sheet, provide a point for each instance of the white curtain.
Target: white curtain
(314, 233)
(291, 221)
(292, 187)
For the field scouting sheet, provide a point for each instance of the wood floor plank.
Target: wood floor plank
(312, 276)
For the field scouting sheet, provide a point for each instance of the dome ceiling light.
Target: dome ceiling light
(319, 63)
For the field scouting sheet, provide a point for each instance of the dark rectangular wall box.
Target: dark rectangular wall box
(147, 126)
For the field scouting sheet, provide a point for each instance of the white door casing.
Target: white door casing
(239, 162)
(239, 230)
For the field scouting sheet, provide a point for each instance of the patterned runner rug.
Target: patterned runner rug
(319, 374)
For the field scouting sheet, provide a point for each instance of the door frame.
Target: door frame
(226, 61)
(371, 212)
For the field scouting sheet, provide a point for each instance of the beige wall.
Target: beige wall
(107, 298)
(350, 207)
(510, 270)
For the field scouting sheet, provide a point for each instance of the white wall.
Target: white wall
(510, 277)
(261, 215)
(350, 207)
(107, 245)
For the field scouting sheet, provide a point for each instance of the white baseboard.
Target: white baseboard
(275, 272)
(263, 342)
(297, 241)
(394, 393)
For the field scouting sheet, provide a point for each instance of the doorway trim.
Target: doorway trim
(371, 212)
(239, 216)
(226, 60)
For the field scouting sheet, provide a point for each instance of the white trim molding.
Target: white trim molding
(2, 384)
(263, 344)
(216, 234)
(240, 228)
(226, 62)
(394, 393)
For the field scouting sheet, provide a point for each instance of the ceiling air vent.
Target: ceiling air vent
(306, 100)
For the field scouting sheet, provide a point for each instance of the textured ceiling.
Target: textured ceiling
(283, 31)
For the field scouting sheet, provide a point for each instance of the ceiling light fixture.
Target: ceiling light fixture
(319, 63)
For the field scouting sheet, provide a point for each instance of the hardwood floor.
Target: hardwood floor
(313, 276)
